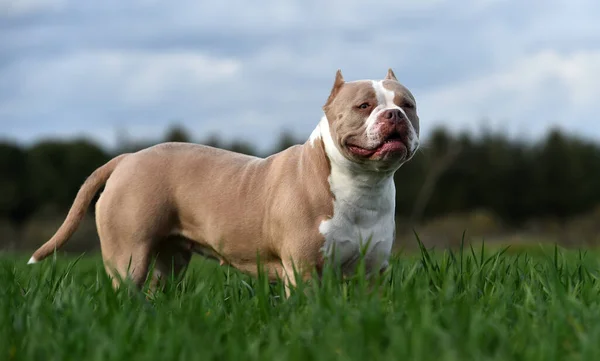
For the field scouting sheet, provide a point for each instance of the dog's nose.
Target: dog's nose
(393, 115)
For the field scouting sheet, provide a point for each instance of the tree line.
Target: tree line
(554, 177)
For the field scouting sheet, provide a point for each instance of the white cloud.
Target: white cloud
(125, 78)
(268, 66)
(546, 88)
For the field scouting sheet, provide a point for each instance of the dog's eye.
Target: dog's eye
(364, 106)
(408, 105)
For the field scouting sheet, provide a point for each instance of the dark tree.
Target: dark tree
(177, 133)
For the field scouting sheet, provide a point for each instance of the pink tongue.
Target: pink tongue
(396, 144)
(361, 151)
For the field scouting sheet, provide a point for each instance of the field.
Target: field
(470, 304)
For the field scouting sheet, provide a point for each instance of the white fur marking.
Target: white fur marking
(316, 134)
(32, 260)
(385, 101)
(363, 210)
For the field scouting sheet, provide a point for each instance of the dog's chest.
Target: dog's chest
(363, 221)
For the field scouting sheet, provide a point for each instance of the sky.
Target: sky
(249, 70)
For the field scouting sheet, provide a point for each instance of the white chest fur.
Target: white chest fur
(363, 221)
(363, 211)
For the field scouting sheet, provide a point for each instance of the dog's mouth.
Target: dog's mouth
(394, 143)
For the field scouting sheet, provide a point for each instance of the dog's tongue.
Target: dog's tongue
(361, 151)
(391, 146)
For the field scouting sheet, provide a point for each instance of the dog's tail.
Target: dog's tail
(82, 201)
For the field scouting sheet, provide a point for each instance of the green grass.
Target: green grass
(462, 305)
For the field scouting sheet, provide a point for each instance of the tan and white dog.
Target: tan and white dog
(291, 210)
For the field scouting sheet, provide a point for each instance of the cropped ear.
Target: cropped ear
(390, 75)
(337, 85)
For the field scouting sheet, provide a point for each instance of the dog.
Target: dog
(331, 199)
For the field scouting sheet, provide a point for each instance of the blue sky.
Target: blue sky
(249, 70)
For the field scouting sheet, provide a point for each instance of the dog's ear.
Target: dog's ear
(337, 85)
(390, 75)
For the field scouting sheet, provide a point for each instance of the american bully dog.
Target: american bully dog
(328, 199)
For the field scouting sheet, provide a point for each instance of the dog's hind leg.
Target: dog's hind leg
(128, 233)
(124, 263)
(126, 254)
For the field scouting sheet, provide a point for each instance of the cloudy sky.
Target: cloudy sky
(249, 70)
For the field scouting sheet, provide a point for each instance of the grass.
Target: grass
(462, 305)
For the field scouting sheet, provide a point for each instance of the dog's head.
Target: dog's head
(373, 123)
